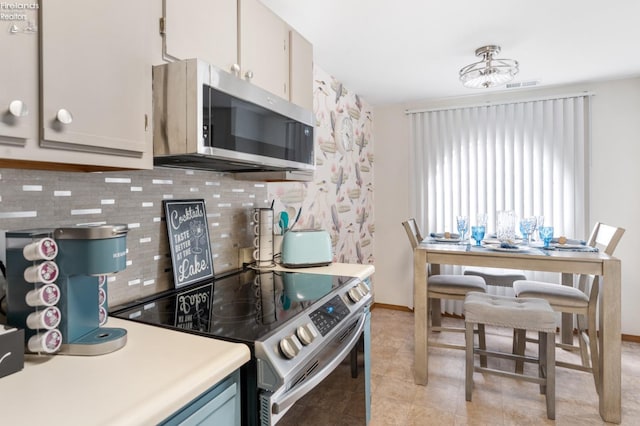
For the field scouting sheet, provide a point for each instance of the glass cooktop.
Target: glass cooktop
(242, 307)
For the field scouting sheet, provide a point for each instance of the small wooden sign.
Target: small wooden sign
(188, 234)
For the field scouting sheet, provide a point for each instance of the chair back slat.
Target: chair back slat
(412, 232)
(605, 237)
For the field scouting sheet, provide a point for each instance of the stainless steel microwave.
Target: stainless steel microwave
(206, 118)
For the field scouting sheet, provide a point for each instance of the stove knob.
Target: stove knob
(354, 294)
(364, 289)
(290, 346)
(306, 334)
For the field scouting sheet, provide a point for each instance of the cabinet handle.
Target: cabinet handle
(248, 75)
(64, 116)
(235, 69)
(17, 108)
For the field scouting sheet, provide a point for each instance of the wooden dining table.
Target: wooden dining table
(567, 263)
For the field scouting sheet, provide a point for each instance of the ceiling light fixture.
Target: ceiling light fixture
(490, 72)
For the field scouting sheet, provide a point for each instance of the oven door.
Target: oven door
(334, 385)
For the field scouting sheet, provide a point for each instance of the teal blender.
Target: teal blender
(85, 256)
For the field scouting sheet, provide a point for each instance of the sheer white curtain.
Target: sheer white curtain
(531, 157)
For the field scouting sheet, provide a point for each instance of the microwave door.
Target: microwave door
(297, 144)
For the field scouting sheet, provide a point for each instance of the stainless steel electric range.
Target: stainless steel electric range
(308, 334)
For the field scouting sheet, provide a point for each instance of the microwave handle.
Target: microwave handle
(288, 399)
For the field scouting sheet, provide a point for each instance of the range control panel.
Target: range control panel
(329, 315)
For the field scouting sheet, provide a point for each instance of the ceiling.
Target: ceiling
(393, 51)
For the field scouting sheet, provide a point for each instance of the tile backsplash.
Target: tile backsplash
(339, 200)
(37, 199)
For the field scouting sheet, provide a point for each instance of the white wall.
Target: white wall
(615, 172)
(392, 252)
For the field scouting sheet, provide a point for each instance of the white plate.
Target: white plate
(519, 249)
(568, 246)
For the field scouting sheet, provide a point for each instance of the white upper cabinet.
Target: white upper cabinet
(301, 70)
(96, 61)
(18, 83)
(202, 29)
(89, 101)
(245, 38)
(264, 48)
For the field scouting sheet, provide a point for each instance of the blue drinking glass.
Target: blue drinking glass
(546, 234)
(524, 231)
(477, 232)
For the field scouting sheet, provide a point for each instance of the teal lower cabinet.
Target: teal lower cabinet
(219, 406)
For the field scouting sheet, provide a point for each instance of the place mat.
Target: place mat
(571, 247)
(520, 250)
(507, 249)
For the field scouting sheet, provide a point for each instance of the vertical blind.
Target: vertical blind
(531, 157)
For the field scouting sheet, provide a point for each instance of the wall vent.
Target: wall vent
(522, 84)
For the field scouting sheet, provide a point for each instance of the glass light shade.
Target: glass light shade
(489, 72)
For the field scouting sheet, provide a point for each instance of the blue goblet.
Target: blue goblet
(477, 232)
(546, 234)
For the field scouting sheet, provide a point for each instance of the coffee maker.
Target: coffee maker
(57, 287)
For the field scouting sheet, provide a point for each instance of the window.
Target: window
(531, 157)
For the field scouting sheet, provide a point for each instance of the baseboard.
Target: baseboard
(630, 338)
(625, 337)
(392, 307)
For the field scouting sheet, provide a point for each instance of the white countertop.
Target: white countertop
(157, 372)
(346, 269)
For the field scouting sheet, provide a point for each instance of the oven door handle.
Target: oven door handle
(289, 398)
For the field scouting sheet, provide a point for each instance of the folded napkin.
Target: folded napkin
(508, 245)
(441, 235)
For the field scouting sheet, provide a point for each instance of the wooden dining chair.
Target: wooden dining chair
(581, 300)
(452, 287)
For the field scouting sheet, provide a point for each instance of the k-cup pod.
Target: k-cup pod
(48, 341)
(47, 295)
(48, 318)
(43, 249)
(102, 296)
(45, 272)
(103, 315)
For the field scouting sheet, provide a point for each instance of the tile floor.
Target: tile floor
(396, 400)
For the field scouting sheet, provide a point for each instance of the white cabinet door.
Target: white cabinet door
(203, 29)
(18, 83)
(301, 70)
(264, 48)
(96, 58)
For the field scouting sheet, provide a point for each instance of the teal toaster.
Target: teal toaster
(306, 248)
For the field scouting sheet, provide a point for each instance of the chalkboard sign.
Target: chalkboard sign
(189, 241)
(193, 308)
